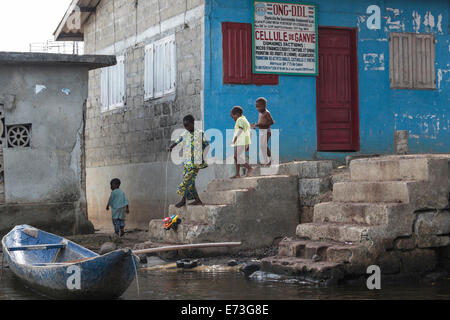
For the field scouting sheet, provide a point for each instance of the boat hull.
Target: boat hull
(99, 277)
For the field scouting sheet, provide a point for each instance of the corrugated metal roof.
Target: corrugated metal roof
(71, 27)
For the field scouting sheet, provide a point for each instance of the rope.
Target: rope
(1, 272)
(136, 275)
(165, 196)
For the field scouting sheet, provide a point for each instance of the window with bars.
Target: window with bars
(237, 46)
(160, 75)
(113, 85)
(412, 61)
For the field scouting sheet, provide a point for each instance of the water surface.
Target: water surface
(160, 285)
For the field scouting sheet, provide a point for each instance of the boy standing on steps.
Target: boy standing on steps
(194, 147)
(119, 204)
(241, 140)
(265, 121)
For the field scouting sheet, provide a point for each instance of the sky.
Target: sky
(25, 21)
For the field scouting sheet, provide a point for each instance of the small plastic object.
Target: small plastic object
(172, 222)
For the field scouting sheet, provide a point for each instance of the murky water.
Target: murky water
(159, 285)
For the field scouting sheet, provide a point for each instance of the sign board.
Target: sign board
(285, 38)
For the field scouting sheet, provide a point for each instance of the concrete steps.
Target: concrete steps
(355, 213)
(185, 234)
(201, 214)
(418, 168)
(374, 192)
(338, 232)
(324, 251)
(229, 197)
(370, 220)
(245, 209)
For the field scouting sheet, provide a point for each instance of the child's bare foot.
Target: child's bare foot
(180, 204)
(235, 177)
(249, 172)
(196, 203)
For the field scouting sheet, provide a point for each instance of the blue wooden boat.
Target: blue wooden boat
(56, 267)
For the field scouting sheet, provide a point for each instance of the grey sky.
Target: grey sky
(26, 21)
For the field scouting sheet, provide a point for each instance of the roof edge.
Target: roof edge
(90, 61)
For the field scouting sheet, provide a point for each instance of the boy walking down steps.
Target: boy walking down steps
(194, 145)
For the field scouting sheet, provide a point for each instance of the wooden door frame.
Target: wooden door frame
(355, 91)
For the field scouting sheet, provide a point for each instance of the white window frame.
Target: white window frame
(113, 89)
(160, 78)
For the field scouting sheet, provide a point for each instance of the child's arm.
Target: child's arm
(238, 134)
(128, 210)
(179, 140)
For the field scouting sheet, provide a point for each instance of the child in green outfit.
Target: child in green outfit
(119, 204)
(195, 146)
(241, 141)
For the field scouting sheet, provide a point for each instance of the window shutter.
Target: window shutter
(104, 89)
(401, 60)
(169, 64)
(265, 79)
(173, 63)
(159, 69)
(148, 72)
(237, 52)
(424, 56)
(121, 81)
(412, 58)
(238, 56)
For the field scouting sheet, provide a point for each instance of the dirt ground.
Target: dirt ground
(95, 241)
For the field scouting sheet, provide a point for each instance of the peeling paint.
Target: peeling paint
(40, 88)
(361, 20)
(394, 25)
(373, 61)
(439, 24)
(416, 21)
(395, 11)
(441, 74)
(428, 22)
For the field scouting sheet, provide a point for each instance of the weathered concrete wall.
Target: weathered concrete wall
(130, 143)
(49, 173)
(145, 186)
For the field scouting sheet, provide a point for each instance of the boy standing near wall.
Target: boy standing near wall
(241, 141)
(119, 204)
(265, 121)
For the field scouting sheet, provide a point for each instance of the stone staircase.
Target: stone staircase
(246, 209)
(256, 210)
(367, 220)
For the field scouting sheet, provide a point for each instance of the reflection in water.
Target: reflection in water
(158, 285)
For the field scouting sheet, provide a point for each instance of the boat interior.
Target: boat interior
(28, 245)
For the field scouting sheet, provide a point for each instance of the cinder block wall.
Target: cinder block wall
(131, 143)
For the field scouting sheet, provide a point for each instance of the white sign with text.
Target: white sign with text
(285, 38)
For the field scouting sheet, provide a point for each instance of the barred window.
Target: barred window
(412, 61)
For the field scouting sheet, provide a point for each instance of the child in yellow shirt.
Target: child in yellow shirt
(241, 140)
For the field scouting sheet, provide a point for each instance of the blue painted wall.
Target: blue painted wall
(424, 113)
